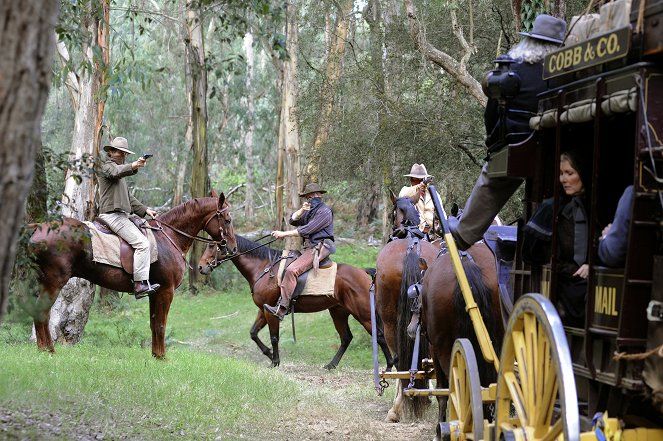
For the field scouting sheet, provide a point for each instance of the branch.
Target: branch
(234, 189)
(468, 49)
(470, 155)
(442, 59)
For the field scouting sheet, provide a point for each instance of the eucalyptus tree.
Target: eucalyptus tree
(26, 42)
(84, 27)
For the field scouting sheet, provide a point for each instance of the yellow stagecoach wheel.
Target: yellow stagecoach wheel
(464, 406)
(536, 392)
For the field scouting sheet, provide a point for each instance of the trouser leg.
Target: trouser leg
(127, 230)
(487, 199)
(292, 272)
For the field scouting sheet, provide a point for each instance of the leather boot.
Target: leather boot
(278, 311)
(144, 288)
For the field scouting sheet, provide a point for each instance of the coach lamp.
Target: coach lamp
(501, 83)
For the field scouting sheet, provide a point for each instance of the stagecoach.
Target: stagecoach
(603, 380)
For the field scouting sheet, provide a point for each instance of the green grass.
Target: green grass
(214, 383)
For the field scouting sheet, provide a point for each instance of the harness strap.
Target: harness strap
(283, 261)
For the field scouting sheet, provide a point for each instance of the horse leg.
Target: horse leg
(441, 383)
(273, 324)
(340, 318)
(159, 307)
(257, 326)
(385, 350)
(52, 280)
(395, 413)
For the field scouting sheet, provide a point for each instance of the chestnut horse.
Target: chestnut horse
(64, 249)
(397, 268)
(259, 264)
(445, 319)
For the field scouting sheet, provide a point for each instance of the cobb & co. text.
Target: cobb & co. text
(592, 52)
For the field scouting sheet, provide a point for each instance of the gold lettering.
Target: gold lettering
(551, 64)
(600, 47)
(614, 302)
(577, 54)
(597, 300)
(606, 297)
(568, 58)
(559, 63)
(613, 44)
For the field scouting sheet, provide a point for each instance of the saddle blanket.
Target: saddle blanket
(106, 247)
(318, 283)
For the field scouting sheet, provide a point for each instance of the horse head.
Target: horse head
(220, 227)
(403, 215)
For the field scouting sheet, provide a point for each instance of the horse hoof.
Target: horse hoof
(392, 417)
(330, 366)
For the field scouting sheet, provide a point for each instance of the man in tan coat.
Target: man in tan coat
(116, 204)
(425, 205)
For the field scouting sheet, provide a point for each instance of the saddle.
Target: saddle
(325, 264)
(126, 250)
(501, 240)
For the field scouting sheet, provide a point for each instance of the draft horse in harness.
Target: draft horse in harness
(63, 250)
(259, 265)
(397, 268)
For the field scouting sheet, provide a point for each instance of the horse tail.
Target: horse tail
(483, 297)
(405, 345)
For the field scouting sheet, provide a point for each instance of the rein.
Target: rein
(216, 262)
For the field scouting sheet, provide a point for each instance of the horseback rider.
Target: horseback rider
(491, 193)
(418, 187)
(116, 204)
(314, 222)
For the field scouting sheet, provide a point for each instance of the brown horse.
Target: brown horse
(64, 249)
(397, 268)
(444, 318)
(351, 296)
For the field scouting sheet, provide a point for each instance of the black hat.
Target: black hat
(547, 28)
(313, 187)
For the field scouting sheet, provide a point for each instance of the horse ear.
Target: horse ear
(392, 196)
(422, 264)
(213, 193)
(222, 199)
(454, 210)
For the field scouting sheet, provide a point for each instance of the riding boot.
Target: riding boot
(144, 288)
(279, 311)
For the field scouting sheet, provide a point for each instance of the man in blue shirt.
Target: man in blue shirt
(614, 240)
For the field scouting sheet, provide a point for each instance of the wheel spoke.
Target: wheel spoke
(516, 397)
(529, 385)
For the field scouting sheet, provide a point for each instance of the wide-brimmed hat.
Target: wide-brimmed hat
(313, 187)
(547, 28)
(418, 171)
(119, 143)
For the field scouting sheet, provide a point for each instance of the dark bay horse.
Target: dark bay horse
(64, 249)
(351, 296)
(445, 319)
(397, 268)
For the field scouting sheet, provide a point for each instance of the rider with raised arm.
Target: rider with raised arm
(491, 193)
(314, 222)
(417, 188)
(116, 204)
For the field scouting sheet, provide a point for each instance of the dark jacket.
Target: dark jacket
(315, 225)
(113, 190)
(612, 248)
(519, 109)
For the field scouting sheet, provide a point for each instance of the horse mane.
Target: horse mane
(181, 211)
(260, 252)
(407, 207)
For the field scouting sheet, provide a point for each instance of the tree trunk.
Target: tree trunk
(37, 204)
(289, 132)
(26, 45)
(333, 72)
(70, 312)
(195, 57)
(248, 137)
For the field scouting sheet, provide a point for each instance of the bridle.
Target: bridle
(218, 243)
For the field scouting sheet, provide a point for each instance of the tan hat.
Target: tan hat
(418, 171)
(119, 143)
(313, 187)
